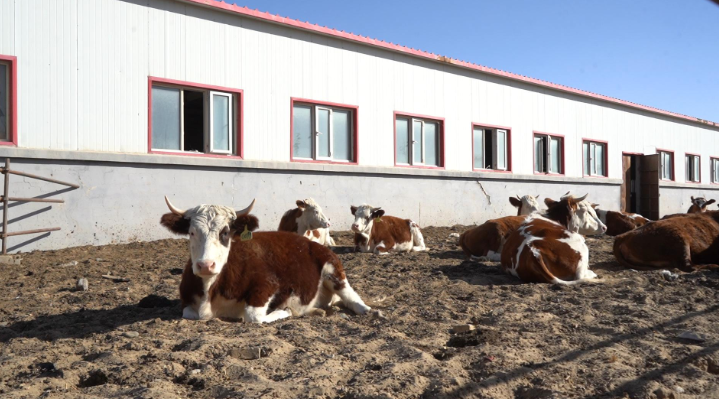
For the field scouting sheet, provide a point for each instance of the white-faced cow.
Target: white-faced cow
(525, 205)
(687, 242)
(699, 205)
(256, 278)
(309, 221)
(620, 222)
(548, 248)
(485, 241)
(381, 234)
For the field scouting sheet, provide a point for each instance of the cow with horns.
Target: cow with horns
(258, 277)
(699, 204)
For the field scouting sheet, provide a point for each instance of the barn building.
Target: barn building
(207, 102)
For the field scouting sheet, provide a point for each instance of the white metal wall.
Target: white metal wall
(83, 67)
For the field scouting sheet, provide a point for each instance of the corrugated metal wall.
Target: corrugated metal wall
(83, 67)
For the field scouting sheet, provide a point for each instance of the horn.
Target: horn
(174, 210)
(565, 196)
(580, 199)
(518, 197)
(246, 210)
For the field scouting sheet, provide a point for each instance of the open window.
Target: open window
(548, 153)
(194, 119)
(692, 168)
(323, 132)
(595, 158)
(666, 164)
(490, 148)
(418, 141)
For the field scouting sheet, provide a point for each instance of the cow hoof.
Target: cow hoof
(190, 314)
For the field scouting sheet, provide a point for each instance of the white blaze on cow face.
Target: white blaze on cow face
(312, 216)
(364, 217)
(525, 205)
(211, 230)
(585, 220)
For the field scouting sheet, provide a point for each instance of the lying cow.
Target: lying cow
(525, 205)
(308, 220)
(620, 222)
(548, 248)
(687, 243)
(381, 234)
(699, 205)
(255, 278)
(486, 241)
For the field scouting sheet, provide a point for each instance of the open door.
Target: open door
(649, 186)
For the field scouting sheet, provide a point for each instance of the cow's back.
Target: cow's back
(289, 220)
(619, 223)
(390, 228)
(489, 236)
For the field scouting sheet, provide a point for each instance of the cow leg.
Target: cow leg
(417, 238)
(190, 314)
(254, 314)
(351, 299)
(381, 249)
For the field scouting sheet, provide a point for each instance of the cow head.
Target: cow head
(364, 217)
(701, 203)
(525, 205)
(211, 228)
(576, 214)
(312, 216)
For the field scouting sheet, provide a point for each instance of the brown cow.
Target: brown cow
(548, 248)
(620, 222)
(686, 242)
(381, 234)
(487, 240)
(699, 204)
(253, 276)
(309, 221)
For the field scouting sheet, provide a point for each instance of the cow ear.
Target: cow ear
(378, 213)
(250, 221)
(353, 209)
(175, 223)
(595, 206)
(517, 203)
(301, 204)
(549, 202)
(692, 198)
(711, 201)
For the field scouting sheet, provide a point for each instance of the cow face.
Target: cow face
(312, 216)
(701, 203)
(525, 205)
(576, 214)
(211, 228)
(364, 216)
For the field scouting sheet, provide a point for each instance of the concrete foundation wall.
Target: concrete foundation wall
(120, 202)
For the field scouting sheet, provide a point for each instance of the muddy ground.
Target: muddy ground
(126, 339)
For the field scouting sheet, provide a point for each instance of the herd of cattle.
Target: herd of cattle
(236, 273)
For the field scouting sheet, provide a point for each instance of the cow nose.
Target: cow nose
(328, 223)
(355, 226)
(206, 266)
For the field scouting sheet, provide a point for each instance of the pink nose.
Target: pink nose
(355, 226)
(206, 266)
(328, 223)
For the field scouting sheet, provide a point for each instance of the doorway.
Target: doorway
(640, 186)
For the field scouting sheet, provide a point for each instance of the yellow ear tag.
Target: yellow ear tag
(246, 235)
(378, 219)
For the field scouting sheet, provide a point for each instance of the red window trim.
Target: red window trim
(355, 127)
(606, 158)
(564, 144)
(700, 168)
(674, 160)
(711, 173)
(11, 61)
(509, 147)
(239, 112)
(441, 139)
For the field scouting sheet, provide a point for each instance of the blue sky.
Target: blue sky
(660, 53)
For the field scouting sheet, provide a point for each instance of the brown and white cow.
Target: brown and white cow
(375, 232)
(485, 242)
(620, 222)
(699, 204)
(256, 278)
(548, 248)
(687, 242)
(525, 205)
(309, 221)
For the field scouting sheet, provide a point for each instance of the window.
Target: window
(692, 168)
(715, 170)
(323, 132)
(548, 153)
(595, 158)
(418, 141)
(666, 165)
(194, 119)
(490, 148)
(8, 113)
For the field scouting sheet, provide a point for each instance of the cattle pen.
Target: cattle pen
(126, 103)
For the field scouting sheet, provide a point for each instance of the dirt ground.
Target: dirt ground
(617, 339)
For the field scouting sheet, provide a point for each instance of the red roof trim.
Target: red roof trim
(266, 16)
